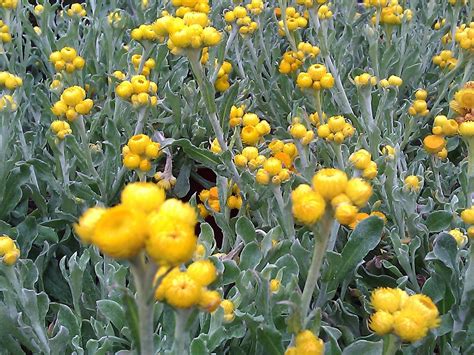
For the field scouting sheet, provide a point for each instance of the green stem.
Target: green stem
(180, 335)
(470, 171)
(390, 344)
(340, 159)
(140, 120)
(320, 246)
(143, 274)
(287, 224)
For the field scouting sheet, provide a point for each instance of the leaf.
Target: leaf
(245, 230)
(203, 156)
(112, 312)
(231, 272)
(270, 339)
(250, 256)
(364, 347)
(363, 239)
(438, 221)
(198, 347)
(445, 249)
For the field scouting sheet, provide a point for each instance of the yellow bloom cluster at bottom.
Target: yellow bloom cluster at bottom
(186, 289)
(8, 250)
(138, 152)
(409, 317)
(336, 130)
(61, 129)
(306, 343)
(222, 81)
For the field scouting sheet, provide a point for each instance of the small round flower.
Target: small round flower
(468, 215)
(203, 272)
(275, 285)
(143, 196)
(87, 223)
(412, 183)
(425, 306)
(360, 159)
(459, 237)
(346, 213)
(229, 308)
(434, 144)
(308, 343)
(381, 322)
(250, 135)
(466, 129)
(11, 257)
(388, 299)
(329, 183)
(183, 291)
(6, 244)
(120, 232)
(359, 191)
(209, 300)
(308, 205)
(273, 166)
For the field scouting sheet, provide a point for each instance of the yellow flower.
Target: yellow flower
(228, 307)
(179, 212)
(360, 159)
(359, 191)
(468, 215)
(6, 244)
(203, 272)
(120, 232)
(209, 300)
(410, 325)
(381, 322)
(11, 257)
(459, 237)
(345, 213)
(425, 307)
(330, 183)
(87, 223)
(388, 299)
(465, 96)
(308, 343)
(274, 285)
(466, 129)
(308, 205)
(182, 291)
(273, 166)
(250, 135)
(412, 183)
(434, 144)
(143, 196)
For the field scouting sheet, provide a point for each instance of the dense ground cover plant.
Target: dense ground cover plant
(195, 176)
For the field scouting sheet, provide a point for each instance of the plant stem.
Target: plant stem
(140, 121)
(390, 344)
(143, 276)
(281, 206)
(180, 335)
(320, 245)
(470, 171)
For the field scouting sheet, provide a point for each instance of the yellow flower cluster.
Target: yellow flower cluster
(145, 32)
(465, 36)
(299, 132)
(365, 79)
(222, 81)
(294, 21)
(392, 81)
(273, 171)
(211, 198)
(8, 102)
(315, 120)
(235, 115)
(139, 91)
(468, 217)
(76, 10)
(392, 12)
(442, 126)
(306, 343)
(185, 6)
(147, 67)
(375, 3)
(409, 317)
(253, 128)
(249, 158)
(138, 152)
(439, 23)
(186, 289)
(445, 59)
(164, 180)
(362, 160)
(419, 106)
(5, 35)
(114, 19)
(72, 103)
(436, 145)
(229, 310)
(67, 59)
(316, 78)
(8, 250)
(336, 130)
(10, 81)
(191, 31)
(255, 7)
(459, 237)
(240, 17)
(275, 285)
(292, 60)
(9, 4)
(61, 129)
(324, 12)
(143, 220)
